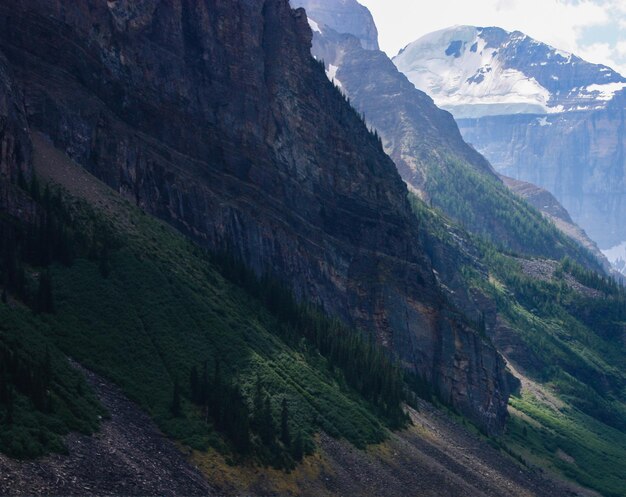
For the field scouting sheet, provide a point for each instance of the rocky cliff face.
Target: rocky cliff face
(15, 147)
(536, 113)
(213, 116)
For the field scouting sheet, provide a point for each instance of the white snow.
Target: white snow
(605, 92)
(457, 69)
(543, 121)
(476, 77)
(331, 74)
(617, 256)
(314, 26)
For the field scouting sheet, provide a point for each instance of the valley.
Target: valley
(242, 254)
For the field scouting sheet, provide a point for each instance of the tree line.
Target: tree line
(26, 376)
(28, 249)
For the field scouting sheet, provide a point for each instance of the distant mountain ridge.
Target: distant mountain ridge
(538, 114)
(478, 71)
(424, 141)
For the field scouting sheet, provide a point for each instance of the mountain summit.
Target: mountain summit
(474, 72)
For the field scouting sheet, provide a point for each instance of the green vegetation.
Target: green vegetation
(565, 325)
(486, 208)
(570, 442)
(196, 339)
(222, 358)
(42, 398)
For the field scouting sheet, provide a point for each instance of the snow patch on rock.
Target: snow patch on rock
(314, 26)
(617, 257)
(331, 74)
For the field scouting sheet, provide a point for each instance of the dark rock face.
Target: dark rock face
(343, 16)
(15, 147)
(577, 156)
(213, 116)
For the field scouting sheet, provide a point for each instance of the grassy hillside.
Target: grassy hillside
(561, 327)
(219, 358)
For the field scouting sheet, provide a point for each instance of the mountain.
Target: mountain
(460, 188)
(577, 156)
(545, 202)
(427, 147)
(163, 307)
(200, 227)
(264, 160)
(548, 118)
(475, 72)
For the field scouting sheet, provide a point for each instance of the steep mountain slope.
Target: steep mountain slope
(15, 161)
(577, 156)
(564, 134)
(261, 157)
(162, 287)
(474, 72)
(544, 201)
(428, 149)
(530, 308)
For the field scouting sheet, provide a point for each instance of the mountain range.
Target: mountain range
(538, 114)
(243, 255)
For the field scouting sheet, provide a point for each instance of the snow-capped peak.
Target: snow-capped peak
(475, 71)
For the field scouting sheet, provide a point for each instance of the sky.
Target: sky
(593, 29)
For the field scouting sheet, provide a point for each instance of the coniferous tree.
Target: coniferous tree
(194, 385)
(257, 404)
(176, 401)
(267, 430)
(45, 300)
(4, 384)
(10, 405)
(297, 449)
(104, 264)
(284, 424)
(5, 297)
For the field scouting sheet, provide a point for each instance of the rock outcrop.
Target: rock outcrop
(213, 116)
(15, 148)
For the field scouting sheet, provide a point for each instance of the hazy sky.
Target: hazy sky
(593, 29)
